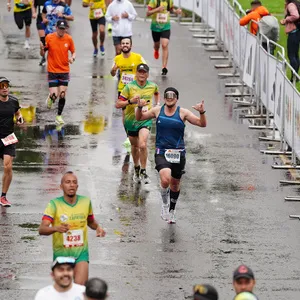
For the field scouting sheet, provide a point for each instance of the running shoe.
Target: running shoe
(95, 53)
(156, 54)
(49, 102)
(43, 61)
(136, 176)
(172, 219)
(144, 178)
(102, 50)
(4, 202)
(165, 212)
(59, 120)
(127, 145)
(164, 71)
(26, 44)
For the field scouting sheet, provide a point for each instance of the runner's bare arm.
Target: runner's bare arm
(46, 229)
(150, 114)
(113, 70)
(33, 9)
(157, 98)
(19, 117)
(152, 11)
(123, 102)
(191, 118)
(93, 224)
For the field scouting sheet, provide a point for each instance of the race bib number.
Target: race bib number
(73, 238)
(9, 140)
(172, 156)
(98, 13)
(127, 78)
(162, 18)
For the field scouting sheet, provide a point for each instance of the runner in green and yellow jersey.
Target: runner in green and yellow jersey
(67, 218)
(138, 131)
(97, 17)
(159, 10)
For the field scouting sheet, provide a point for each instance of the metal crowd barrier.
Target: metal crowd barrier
(262, 73)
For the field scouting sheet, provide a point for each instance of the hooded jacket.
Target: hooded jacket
(255, 15)
(123, 27)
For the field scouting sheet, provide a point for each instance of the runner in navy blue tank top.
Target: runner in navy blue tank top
(170, 147)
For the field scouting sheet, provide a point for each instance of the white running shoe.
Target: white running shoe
(145, 178)
(136, 177)
(165, 212)
(26, 45)
(172, 219)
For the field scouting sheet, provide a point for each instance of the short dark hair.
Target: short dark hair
(126, 38)
(255, 2)
(96, 288)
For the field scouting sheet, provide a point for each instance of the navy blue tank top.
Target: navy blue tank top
(169, 131)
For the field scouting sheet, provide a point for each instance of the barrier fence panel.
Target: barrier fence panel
(263, 69)
(250, 56)
(226, 24)
(212, 13)
(288, 111)
(297, 123)
(279, 99)
(236, 37)
(272, 62)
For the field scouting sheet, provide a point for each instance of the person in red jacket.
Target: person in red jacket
(256, 13)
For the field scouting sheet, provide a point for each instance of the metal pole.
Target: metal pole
(193, 15)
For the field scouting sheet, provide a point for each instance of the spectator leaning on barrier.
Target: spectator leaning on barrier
(267, 24)
(292, 26)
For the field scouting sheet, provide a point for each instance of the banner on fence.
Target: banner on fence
(297, 123)
(263, 80)
(279, 97)
(288, 110)
(250, 56)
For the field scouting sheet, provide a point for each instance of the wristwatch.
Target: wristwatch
(129, 102)
(203, 112)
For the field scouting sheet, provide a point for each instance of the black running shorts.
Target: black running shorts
(177, 170)
(161, 35)
(58, 79)
(96, 22)
(7, 150)
(136, 133)
(117, 39)
(39, 23)
(23, 17)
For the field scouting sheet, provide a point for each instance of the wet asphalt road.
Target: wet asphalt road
(230, 211)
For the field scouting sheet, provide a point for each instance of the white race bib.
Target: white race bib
(127, 78)
(172, 156)
(98, 13)
(162, 18)
(73, 238)
(9, 140)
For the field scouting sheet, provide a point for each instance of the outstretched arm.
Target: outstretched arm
(191, 118)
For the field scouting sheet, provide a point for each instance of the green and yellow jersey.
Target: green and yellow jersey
(97, 8)
(161, 20)
(22, 5)
(127, 67)
(146, 92)
(74, 243)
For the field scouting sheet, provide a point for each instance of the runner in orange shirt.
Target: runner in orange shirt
(58, 45)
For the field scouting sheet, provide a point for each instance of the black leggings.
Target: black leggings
(293, 49)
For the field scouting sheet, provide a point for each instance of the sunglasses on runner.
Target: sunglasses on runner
(4, 85)
(170, 95)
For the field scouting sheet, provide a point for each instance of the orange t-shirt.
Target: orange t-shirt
(58, 52)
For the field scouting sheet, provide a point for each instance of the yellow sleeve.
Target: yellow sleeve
(125, 93)
(50, 211)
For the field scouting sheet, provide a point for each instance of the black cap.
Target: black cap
(4, 79)
(142, 67)
(62, 24)
(96, 288)
(205, 292)
(171, 89)
(245, 296)
(63, 260)
(243, 272)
